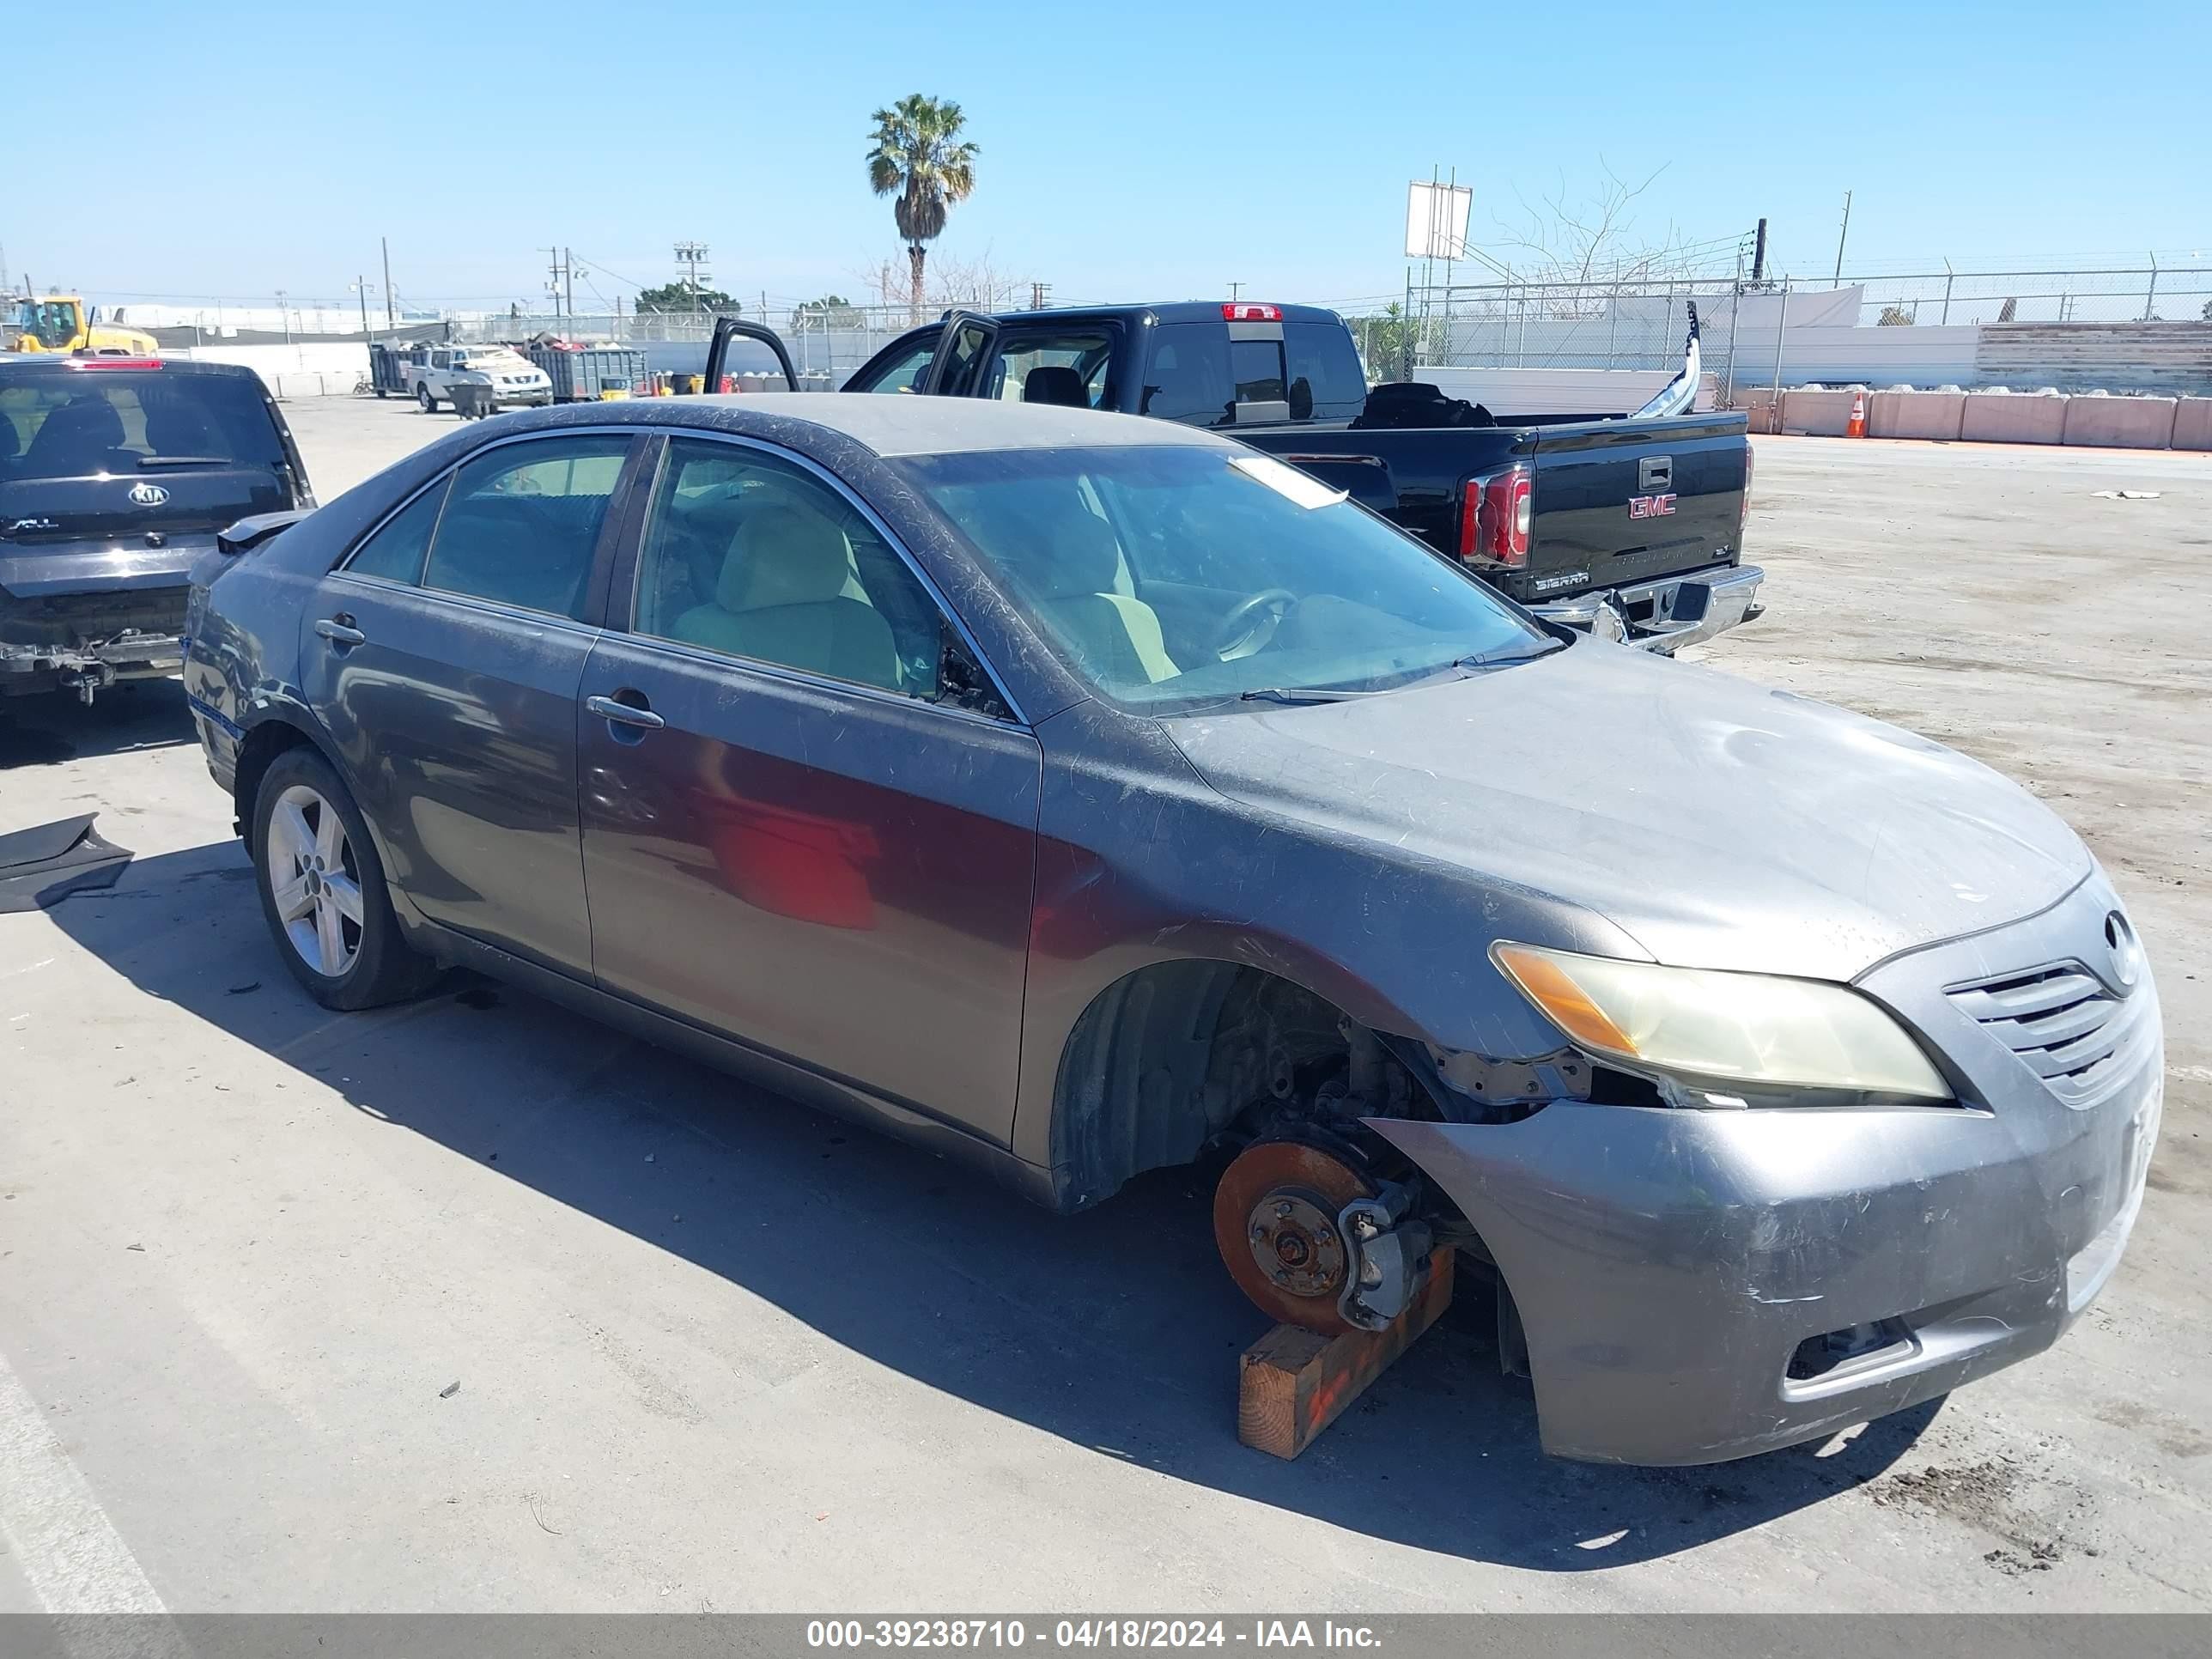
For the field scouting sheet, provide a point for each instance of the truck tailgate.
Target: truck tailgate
(1624, 502)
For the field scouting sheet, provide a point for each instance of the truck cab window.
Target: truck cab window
(1187, 378)
(1068, 366)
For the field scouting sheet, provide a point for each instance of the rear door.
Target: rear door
(1623, 501)
(444, 657)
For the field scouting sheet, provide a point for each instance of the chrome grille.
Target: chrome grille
(2061, 1021)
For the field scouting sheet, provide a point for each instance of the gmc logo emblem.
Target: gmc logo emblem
(1650, 506)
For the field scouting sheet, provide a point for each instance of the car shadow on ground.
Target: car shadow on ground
(1116, 1329)
(38, 731)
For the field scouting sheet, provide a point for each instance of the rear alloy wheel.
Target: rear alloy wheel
(1275, 1216)
(322, 891)
(423, 400)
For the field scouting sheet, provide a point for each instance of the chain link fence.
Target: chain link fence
(1616, 325)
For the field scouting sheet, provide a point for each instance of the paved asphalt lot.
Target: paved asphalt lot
(715, 1351)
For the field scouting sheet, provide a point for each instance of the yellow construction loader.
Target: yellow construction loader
(61, 322)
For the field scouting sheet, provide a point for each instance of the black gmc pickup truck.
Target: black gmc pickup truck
(1630, 526)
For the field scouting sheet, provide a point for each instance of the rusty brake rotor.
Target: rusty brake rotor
(1274, 1222)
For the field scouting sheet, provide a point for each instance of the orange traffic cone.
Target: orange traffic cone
(1856, 427)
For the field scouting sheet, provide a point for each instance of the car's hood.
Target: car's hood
(1720, 823)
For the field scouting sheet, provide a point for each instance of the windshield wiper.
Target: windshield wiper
(146, 463)
(1525, 653)
(1297, 694)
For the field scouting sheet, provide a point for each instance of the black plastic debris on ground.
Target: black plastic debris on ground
(43, 865)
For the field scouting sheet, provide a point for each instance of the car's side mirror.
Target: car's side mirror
(961, 680)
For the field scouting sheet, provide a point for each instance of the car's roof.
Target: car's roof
(897, 424)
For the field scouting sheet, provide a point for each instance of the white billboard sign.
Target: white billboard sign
(1436, 221)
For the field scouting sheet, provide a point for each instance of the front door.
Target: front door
(787, 837)
(444, 658)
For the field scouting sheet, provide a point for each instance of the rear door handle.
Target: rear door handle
(624, 714)
(338, 633)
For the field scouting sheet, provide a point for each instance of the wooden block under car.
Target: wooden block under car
(1295, 1383)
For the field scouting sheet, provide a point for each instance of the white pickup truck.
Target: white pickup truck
(431, 372)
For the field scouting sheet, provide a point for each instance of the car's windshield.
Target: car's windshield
(1185, 576)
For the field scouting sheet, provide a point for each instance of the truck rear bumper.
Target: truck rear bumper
(1664, 615)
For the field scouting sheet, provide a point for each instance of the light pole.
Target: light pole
(363, 287)
(283, 312)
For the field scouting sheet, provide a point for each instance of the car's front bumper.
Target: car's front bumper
(1667, 1264)
(1666, 615)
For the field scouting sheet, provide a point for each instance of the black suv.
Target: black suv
(115, 475)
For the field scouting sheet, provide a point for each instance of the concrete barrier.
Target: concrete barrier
(2009, 418)
(2192, 424)
(2120, 422)
(1817, 413)
(1934, 414)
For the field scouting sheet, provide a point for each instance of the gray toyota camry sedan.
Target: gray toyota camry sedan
(1078, 794)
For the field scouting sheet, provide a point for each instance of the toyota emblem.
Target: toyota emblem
(2125, 951)
(148, 495)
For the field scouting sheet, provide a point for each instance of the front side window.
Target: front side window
(905, 369)
(753, 557)
(1190, 575)
(523, 521)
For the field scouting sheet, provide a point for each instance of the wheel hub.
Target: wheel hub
(1275, 1221)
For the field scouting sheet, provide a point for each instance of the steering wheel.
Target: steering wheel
(1251, 623)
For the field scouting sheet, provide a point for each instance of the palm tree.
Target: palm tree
(918, 157)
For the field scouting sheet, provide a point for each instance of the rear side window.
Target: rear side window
(1327, 383)
(395, 551)
(82, 424)
(522, 521)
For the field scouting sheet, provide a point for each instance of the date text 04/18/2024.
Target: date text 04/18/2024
(1087, 1634)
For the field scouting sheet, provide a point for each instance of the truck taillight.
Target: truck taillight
(1494, 518)
(1743, 509)
(1251, 314)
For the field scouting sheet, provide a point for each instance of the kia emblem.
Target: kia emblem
(148, 495)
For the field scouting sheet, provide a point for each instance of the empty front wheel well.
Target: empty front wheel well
(1167, 1058)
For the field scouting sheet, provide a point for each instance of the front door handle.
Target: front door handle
(338, 633)
(624, 714)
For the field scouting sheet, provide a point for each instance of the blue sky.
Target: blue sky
(1132, 150)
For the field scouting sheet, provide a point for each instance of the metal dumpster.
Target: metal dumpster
(582, 377)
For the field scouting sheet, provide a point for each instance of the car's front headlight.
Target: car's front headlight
(1769, 1035)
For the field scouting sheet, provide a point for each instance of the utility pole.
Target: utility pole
(284, 312)
(692, 255)
(1840, 236)
(568, 281)
(1233, 288)
(361, 286)
(391, 321)
(554, 273)
(1759, 256)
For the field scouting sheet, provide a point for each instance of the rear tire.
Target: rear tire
(322, 891)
